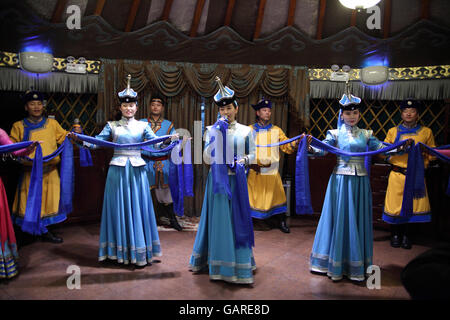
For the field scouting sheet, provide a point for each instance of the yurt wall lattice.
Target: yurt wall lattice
(379, 116)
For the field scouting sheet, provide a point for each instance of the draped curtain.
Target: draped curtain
(187, 85)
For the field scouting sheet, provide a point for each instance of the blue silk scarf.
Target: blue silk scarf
(32, 221)
(85, 155)
(242, 221)
(302, 187)
(181, 175)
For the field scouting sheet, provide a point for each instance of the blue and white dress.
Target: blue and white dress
(128, 231)
(215, 245)
(343, 244)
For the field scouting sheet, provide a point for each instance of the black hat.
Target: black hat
(349, 101)
(411, 103)
(224, 96)
(128, 95)
(33, 95)
(263, 103)
(158, 97)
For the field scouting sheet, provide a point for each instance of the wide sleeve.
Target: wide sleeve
(16, 133)
(431, 143)
(286, 148)
(60, 133)
(372, 142)
(330, 139)
(251, 140)
(104, 135)
(5, 140)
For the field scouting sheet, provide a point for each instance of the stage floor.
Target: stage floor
(281, 259)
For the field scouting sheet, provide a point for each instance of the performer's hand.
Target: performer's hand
(73, 136)
(224, 118)
(407, 145)
(32, 146)
(175, 137)
(241, 161)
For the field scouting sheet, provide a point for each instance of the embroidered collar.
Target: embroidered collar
(258, 127)
(232, 125)
(127, 121)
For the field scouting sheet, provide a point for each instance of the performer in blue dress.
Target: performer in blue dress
(343, 244)
(158, 163)
(128, 231)
(224, 241)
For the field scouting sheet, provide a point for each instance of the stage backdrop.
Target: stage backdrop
(188, 85)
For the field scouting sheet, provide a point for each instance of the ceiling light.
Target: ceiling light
(359, 4)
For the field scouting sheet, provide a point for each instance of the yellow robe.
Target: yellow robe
(50, 134)
(396, 182)
(265, 189)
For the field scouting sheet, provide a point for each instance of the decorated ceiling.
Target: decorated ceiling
(313, 33)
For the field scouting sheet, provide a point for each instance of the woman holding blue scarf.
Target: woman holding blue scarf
(343, 244)
(224, 238)
(128, 231)
(8, 245)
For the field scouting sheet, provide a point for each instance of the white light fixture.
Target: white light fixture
(374, 75)
(359, 4)
(36, 62)
(340, 76)
(74, 67)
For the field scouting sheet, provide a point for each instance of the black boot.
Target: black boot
(406, 244)
(395, 236)
(283, 226)
(50, 237)
(173, 219)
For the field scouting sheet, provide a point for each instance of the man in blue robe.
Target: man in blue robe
(158, 163)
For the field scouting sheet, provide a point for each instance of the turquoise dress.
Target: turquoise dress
(214, 246)
(343, 244)
(128, 231)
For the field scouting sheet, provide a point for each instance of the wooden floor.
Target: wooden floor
(281, 259)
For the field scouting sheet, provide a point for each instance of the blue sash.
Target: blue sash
(32, 221)
(242, 221)
(181, 175)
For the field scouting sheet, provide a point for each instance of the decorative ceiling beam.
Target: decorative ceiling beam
(59, 10)
(291, 13)
(353, 20)
(229, 13)
(99, 7)
(322, 8)
(259, 20)
(197, 16)
(425, 9)
(132, 15)
(387, 18)
(166, 11)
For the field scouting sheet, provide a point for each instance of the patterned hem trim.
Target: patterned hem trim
(233, 279)
(415, 218)
(125, 261)
(259, 214)
(17, 219)
(336, 277)
(339, 263)
(9, 275)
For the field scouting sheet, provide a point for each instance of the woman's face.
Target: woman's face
(128, 109)
(35, 108)
(229, 111)
(350, 117)
(410, 115)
